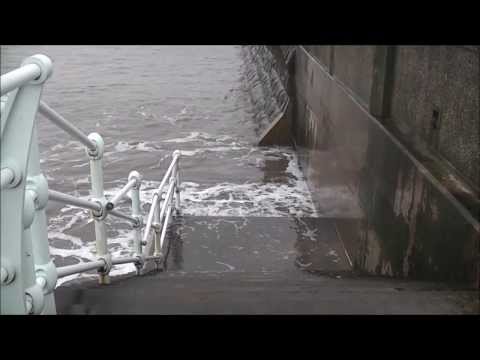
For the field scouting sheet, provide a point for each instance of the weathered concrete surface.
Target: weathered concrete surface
(432, 92)
(323, 54)
(443, 80)
(266, 293)
(410, 225)
(406, 215)
(266, 79)
(274, 71)
(353, 66)
(257, 244)
(279, 131)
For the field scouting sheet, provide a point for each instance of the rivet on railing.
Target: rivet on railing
(8, 272)
(41, 273)
(10, 175)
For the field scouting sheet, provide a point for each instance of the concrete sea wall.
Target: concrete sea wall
(394, 132)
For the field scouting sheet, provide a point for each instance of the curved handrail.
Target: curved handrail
(19, 77)
(43, 277)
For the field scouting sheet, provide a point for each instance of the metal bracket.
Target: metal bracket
(29, 208)
(96, 154)
(103, 212)
(138, 179)
(140, 263)
(7, 272)
(107, 258)
(17, 173)
(49, 273)
(39, 185)
(35, 300)
(139, 222)
(45, 65)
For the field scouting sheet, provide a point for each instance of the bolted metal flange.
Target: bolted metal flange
(96, 154)
(45, 65)
(35, 300)
(107, 259)
(139, 221)
(140, 263)
(29, 208)
(102, 214)
(47, 272)
(17, 173)
(138, 179)
(7, 272)
(39, 185)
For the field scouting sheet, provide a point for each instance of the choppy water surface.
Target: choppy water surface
(147, 101)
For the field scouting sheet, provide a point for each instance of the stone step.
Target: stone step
(256, 244)
(259, 293)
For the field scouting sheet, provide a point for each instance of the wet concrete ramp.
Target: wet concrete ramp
(259, 293)
(256, 244)
(258, 265)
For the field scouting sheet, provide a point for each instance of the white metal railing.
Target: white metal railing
(69, 128)
(19, 77)
(158, 220)
(28, 275)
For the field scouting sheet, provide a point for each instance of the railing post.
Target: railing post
(137, 214)
(96, 179)
(3, 105)
(177, 179)
(19, 293)
(157, 231)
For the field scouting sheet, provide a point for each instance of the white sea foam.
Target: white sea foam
(202, 150)
(191, 152)
(205, 139)
(57, 147)
(192, 137)
(267, 199)
(337, 201)
(80, 165)
(120, 246)
(70, 217)
(249, 199)
(122, 146)
(230, 267)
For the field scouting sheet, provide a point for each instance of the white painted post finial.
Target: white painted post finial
(45, 65)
